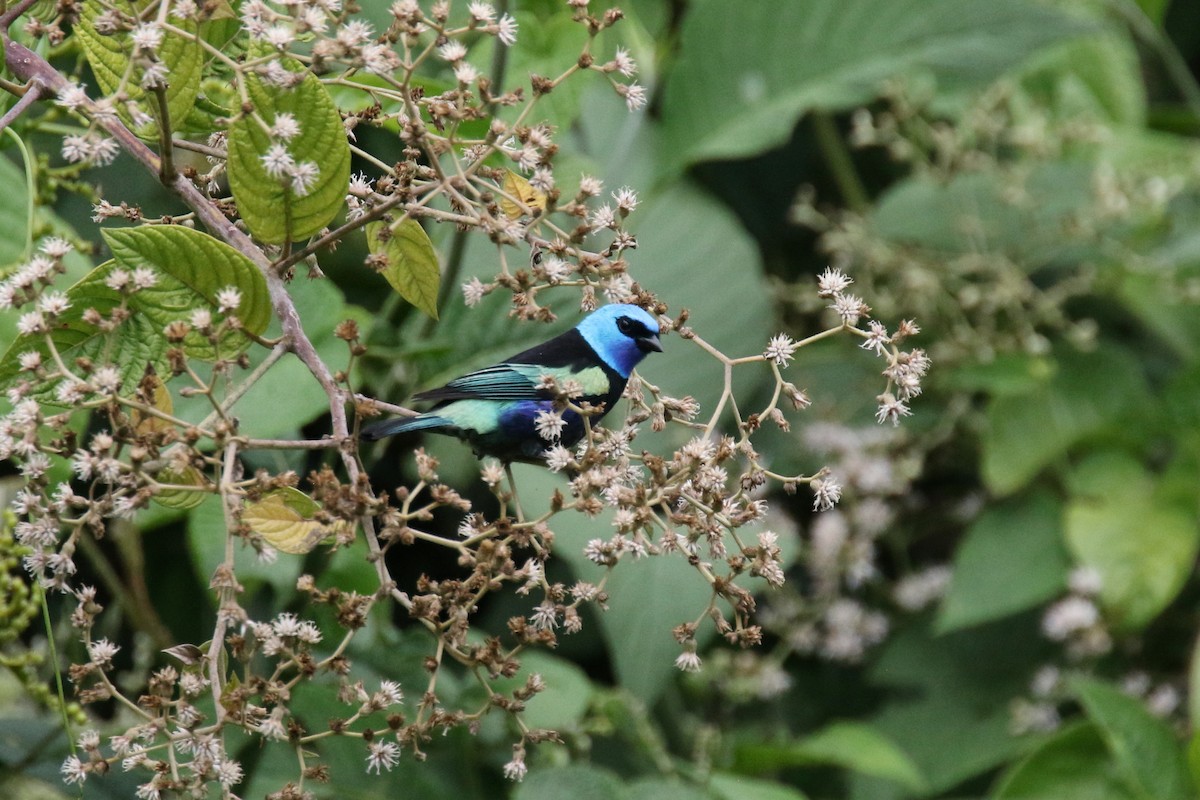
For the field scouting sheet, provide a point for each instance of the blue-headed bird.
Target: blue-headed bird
(495, 409)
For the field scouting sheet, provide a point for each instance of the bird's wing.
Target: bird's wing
(501, 382)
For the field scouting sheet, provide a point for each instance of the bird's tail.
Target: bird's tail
(389, 427)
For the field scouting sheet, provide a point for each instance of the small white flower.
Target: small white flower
(590, 186)
(549, 425)
(516, 770)
(473, 291)
(30, 360)
(492, 473)
(76, 148)
(1069, 616)
(277, 160)
(625, 63)
(228, 299)
(201, 318)
(826, 492)
(107, 379)
(877, 338)
(101, 652)
(634, 94)
(56, 247)
(279, 36)
(832, 282)
(452, 51)
(465, 72)
(481, 12)
(304, 175)
(558, 458)
(780, 349)
(544, 616)
(72, 97)
(389, 693)
(849, 308)
(890, 409)
(507, 30)
(183, 9)
(382, 755)
(146, 37)
(626, 199)
(354, 33)
(144, 278)
(285, 127)
(360, 186)
(602, 217)
(73, 770)
(118, 280)
(687, 661)
(228, 772)
(31, 322)
(53, 303)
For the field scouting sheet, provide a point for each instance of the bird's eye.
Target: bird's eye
(625, 325)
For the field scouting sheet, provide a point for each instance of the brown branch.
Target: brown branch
(33, 93)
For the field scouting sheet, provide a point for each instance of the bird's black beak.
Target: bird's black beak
(649, 342)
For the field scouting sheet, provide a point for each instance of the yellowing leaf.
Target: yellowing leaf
(533, 200)
(411, 262)
(159, 398)
(181, 499)
(285, 518)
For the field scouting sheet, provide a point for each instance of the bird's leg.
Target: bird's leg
(512, 485)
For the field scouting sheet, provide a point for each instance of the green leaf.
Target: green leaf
(577, 781)
(109, 59)
(853, 745)
(132, 346)
(974, 212)
(1012, 559)
(955, 689)
(1143, 543)
(1144, 748)
(270, 207)
(664, 789)
(14, 214)
(1095, 77)
(728, 786)
(411, 262)
(727, 99)
(181, 499)
(1010, 373)
(1028, 432)
(192, 268)
(1156, 10)
(1073, 765)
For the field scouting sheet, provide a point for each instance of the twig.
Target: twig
(33, 93)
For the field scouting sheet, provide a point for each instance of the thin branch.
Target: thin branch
(33, 93)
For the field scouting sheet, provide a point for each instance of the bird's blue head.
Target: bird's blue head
(621, 335)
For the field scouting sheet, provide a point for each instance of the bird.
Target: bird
(496, 409)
